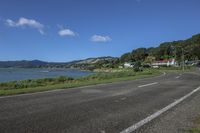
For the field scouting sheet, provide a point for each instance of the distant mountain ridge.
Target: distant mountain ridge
(22, 63)
(93, 60)
(40, 64)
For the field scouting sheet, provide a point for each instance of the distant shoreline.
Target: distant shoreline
(45, 84)
(16, 74)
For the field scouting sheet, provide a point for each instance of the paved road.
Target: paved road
(108, 108)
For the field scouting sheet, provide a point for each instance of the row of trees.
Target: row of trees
(167, 50)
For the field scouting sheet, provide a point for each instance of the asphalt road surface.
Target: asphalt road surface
(108, 108)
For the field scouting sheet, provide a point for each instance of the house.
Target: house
(128, 65)
(170, 62)
(192, 63)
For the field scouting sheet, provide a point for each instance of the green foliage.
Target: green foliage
(137, 67)
(196, 128)
(149, 59)
(34, 83)
(139, 54)
(167, 50)
(114, 63)
(194, 131)
(126, 57)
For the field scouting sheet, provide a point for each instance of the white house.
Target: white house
(128, 65)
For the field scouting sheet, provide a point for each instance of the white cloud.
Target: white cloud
(24, 22)
(99, 38)
(9, 22)
(66, 32)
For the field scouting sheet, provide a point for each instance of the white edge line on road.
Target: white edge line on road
(158, 113)
(148, 84)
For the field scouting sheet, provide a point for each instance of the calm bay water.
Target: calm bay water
(10, 74)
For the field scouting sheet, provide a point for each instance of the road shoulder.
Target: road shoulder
(180, 119)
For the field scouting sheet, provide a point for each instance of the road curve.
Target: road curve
(107, 108)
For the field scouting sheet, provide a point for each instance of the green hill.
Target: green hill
(167, 50)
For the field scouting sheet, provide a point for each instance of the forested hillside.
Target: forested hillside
(167, 50)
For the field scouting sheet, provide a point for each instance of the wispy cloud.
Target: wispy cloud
(66, 32)
(100, 38)
(24, 22)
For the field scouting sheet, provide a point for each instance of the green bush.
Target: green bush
(137, 67)
(34, 83)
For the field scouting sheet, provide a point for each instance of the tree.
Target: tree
(149, 59)
(139, 54)
(137, 67)
(125, 57)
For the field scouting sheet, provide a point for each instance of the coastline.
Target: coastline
(17, 74)
(38, 85)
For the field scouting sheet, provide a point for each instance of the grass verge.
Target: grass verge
(38, 85)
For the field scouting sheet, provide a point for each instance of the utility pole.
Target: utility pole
(183, 59)
(176, 63)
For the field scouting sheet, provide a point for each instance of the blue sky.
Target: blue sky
(65, 30)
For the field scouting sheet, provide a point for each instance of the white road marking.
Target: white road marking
(148, 84)
(124, 98)
(158, 113)
(178, 76)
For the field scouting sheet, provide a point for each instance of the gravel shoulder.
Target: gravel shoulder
(180, 119)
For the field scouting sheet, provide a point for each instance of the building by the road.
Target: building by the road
(170, 62)
(128, 64)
